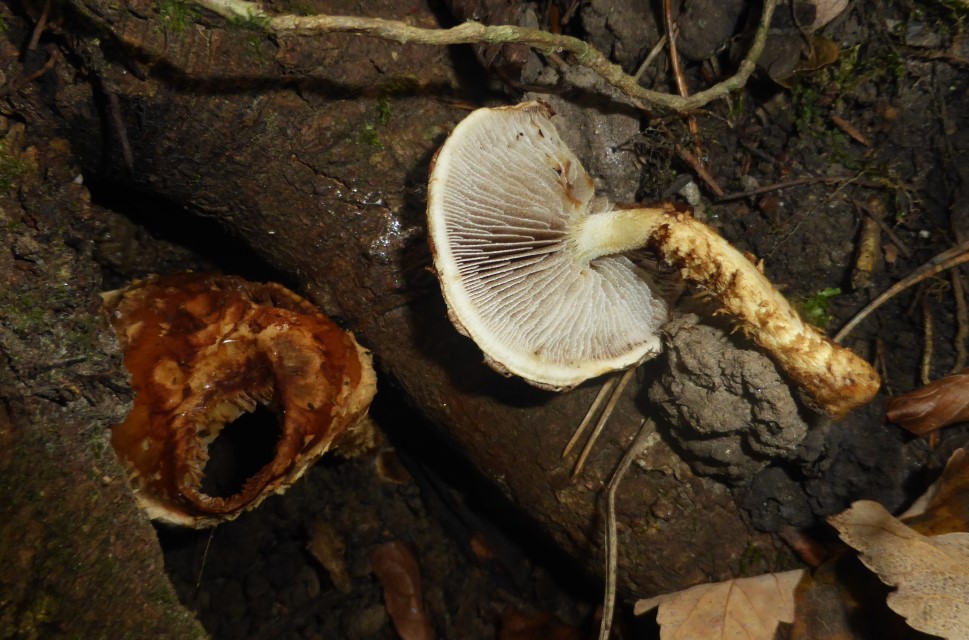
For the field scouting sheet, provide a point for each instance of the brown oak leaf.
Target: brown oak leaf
(931, 573)
(745, 608)
(945, 506)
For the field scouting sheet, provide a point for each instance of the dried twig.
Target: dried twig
(962, 321)
(850, 130)
(614, 394)
(610, 543)
(680, 80)
(16, 85)
(114, 109)
(874, 209)
(473, 32)
(655, 51)
(697, 166)
(925, 373)
(675, 67)
(39, 27)
(953, 257)
(799, 182)
(604, 392)
(868, 254)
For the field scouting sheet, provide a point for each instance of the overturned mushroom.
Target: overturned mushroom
(530, 264)
(202, 351)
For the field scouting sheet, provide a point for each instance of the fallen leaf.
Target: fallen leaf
(745, 608)
(933, 406)
(390, 469)
(329, 549)
(823, 52)
(843, 600)
(825, 607)
(396, 566)
(931, 573)
(826, 11)
(945, 506)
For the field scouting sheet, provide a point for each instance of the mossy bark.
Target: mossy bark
(78, 559)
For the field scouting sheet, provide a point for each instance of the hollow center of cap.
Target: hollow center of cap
(242, 448)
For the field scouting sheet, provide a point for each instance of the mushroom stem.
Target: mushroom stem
(834, 377)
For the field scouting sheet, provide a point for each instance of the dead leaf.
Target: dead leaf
(396, 566)
(745, 608)
(931, 573)
(825, 607)
(935, 405)
(945, 506)
(826, 11)
(822, 53)
(843, 600)
(329, 549)
(390, 469)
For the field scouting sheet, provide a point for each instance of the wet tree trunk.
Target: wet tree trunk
(78, 558)
(316, 153)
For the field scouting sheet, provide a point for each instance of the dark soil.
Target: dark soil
(882, 131)
(481, 566)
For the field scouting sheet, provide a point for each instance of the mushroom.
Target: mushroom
(504, 196)
(531, 266)
(202, 351)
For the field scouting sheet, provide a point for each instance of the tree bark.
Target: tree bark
(316, 153)
(78, 558)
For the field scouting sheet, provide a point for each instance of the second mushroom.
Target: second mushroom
(530, 262)
(204, 350)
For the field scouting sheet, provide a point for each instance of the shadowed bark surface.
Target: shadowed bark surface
(315, 152)
(78, 559)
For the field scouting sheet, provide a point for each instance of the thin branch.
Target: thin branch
(610, 544)
(697, 166)
(953, 257)
(19, 83)
(604, 392)
(962, 321)
(655, 51)
(925, 374)
(473, 33)
(800, 182)
(114, 108)
(681, 87)
(614, 396)
(875, 210)
(39, 28)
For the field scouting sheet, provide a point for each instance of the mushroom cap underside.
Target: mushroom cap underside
(504, 194)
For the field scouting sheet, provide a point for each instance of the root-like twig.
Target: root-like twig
(472, 33)
(610, 544)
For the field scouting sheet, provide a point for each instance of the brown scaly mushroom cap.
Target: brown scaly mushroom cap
(204, 349)
(503, 195)
(530, 264)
